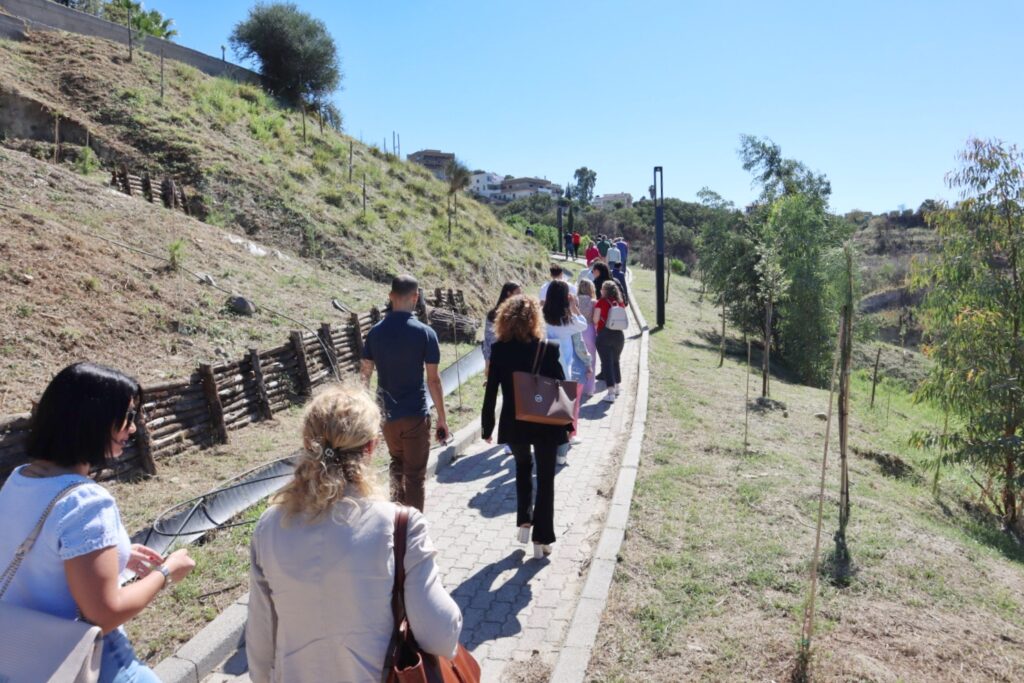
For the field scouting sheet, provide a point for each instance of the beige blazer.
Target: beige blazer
(320, 600)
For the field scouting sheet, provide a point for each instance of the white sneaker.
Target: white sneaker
(541, 550)
(561, 459)
(523, 535)
(609, 396)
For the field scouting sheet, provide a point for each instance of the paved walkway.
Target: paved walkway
(516, 608)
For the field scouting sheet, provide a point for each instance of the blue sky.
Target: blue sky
(880, 96)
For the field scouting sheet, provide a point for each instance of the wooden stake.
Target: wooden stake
(145, 445)
(356, 339)
(261, 385)
(328, 343)
(161, 74)
(305, 385)
(746, 402)
(874, 377)
(56, 138)
(351, 144)
(721, 350)
(220, 430)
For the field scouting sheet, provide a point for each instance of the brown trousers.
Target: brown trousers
(408, 440)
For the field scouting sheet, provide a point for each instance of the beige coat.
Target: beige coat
(320, 601)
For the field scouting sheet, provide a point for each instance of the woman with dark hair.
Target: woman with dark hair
(565, 324)
(520, 330)
(609, 342)
(509, 289)
(84, 419)
(601, 276)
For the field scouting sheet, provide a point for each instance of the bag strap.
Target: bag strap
(398, 592)
(541, 345)
(26, 546)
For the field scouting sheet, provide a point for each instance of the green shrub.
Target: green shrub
(679, 267)
(176, 253)
(87, 162)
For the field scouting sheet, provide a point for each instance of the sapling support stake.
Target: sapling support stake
(807, 628)
(746, 402)
(721, 346)
(874, 377)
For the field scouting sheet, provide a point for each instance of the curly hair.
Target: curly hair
(519, 319)
(337, 426)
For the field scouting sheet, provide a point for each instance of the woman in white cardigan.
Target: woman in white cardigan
(323, 560)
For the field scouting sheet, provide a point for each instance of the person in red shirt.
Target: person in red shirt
(576, 244)
(592, 253)
(609, 342)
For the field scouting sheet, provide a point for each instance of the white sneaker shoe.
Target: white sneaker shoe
(541, 550)
(575, 441)
(609, 396)
(561, 459)
(523, 535)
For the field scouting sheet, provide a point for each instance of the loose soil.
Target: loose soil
(714, 571)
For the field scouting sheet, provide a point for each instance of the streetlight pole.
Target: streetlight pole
(658, 195)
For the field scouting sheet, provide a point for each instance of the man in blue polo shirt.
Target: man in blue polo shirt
(400, 346)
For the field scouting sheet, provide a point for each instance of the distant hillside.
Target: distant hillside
(243, 159)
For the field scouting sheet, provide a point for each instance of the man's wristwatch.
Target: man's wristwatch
(167, 575)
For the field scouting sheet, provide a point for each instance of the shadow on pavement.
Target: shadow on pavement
(471, 467)
(491, 611)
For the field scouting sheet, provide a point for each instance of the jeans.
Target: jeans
(543, 514)
(609, 348)
(408, 440)
(119, 663)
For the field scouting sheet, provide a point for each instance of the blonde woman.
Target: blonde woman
(586, 301)
(323, 560)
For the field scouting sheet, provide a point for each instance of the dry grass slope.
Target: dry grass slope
(713, 574)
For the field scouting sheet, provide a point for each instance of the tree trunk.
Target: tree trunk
(1010, 518)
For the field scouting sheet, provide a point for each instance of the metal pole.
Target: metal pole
(659, 243)
(559, 242)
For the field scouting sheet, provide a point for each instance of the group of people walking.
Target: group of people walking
(323, 564)
(560, 335)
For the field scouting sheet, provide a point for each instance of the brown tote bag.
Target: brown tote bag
(406, 662)
(543, 400)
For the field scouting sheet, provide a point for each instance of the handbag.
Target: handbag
(406, 662)
(543, 400)
(73, 648)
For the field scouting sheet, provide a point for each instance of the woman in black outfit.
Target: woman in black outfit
(601, 276)
(520, 329)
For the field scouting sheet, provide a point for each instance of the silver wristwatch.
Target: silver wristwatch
(167, 575)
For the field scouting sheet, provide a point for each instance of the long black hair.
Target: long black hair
(556, 303)
(506, 292)
(79, 409)
(604, 275)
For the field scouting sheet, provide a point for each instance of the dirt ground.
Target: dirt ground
(714, 571)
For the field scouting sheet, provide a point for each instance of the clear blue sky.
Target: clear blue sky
(878, 95)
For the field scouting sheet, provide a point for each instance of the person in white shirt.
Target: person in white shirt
(613, 256)
(563, 321)
(557, 275)
(322, 569)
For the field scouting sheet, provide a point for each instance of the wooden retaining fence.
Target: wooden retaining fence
(202, 410)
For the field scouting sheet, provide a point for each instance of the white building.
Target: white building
(517, 188)
(486, 185)
(607, 201)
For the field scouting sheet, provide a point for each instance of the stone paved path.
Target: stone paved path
(516, 608)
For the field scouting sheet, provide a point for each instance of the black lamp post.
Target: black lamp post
(658, 195)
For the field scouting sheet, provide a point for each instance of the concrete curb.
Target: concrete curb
(571, 666)
(197, 658)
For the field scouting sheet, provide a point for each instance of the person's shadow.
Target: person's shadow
(490, 612)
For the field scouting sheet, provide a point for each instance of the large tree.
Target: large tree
(974, 316)
(296, 55)
(583, 191)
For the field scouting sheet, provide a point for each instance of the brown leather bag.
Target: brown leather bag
(543, 400)
(406, 662)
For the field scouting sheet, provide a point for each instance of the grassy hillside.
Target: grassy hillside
(244, 159)
(276, 220)
(713, 575)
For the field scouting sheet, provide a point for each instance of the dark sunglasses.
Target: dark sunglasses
(129, 418)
